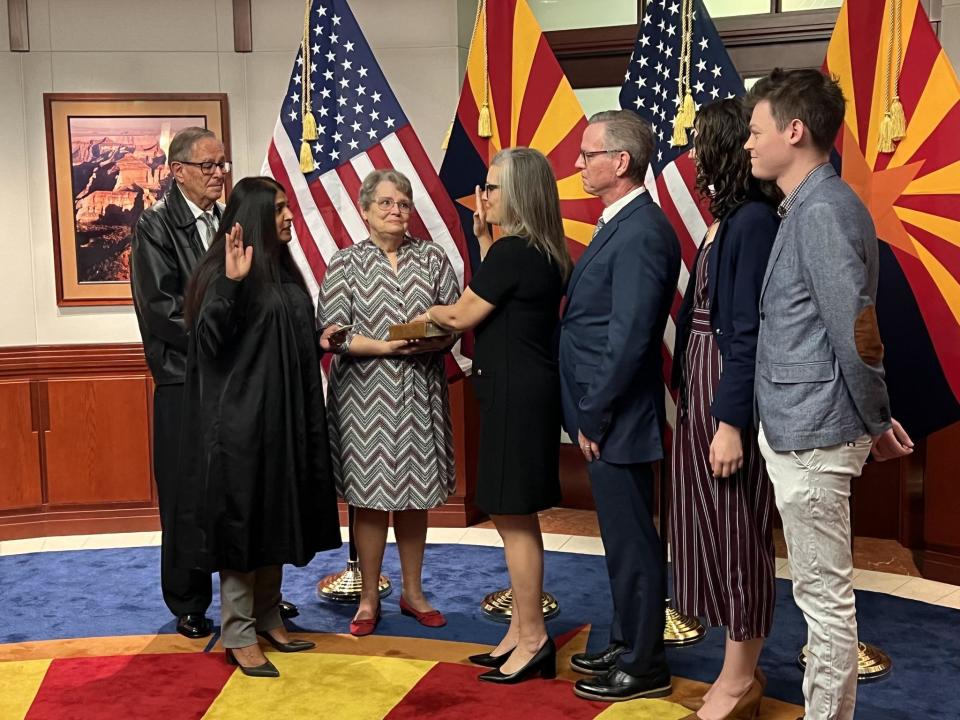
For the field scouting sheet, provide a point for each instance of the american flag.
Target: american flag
(360, 127)
(651, 89)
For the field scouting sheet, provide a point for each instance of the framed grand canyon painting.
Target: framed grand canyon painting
(107, 161)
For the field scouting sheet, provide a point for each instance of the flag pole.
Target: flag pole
(678, 629)
(345, 586)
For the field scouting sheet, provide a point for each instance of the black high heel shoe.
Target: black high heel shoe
(490, 661)
(268, 669)
(292, 646)
(543, 663)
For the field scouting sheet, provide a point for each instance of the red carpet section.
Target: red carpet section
(398, 678)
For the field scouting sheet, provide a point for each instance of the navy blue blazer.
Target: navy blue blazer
(611, 365)
(735, 269)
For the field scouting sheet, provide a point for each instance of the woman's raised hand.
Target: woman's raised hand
(238, 259)
(480, 226)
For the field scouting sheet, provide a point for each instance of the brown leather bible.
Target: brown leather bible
(416, 331)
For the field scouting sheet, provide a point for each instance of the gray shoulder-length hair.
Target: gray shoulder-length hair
(530, 203)
(369, 187)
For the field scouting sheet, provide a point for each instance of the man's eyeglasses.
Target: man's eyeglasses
(386, 204)
(207, 167)
(587, 154)
(490, 187)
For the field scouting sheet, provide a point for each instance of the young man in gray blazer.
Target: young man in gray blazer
(820, 392)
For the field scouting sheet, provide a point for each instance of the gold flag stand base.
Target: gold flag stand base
(498, 605)
(872, 662)
(345, 585)
(679, 630)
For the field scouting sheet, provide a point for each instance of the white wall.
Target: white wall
(180, 46)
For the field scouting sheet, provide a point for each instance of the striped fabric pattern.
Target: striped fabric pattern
(390, 434)
(721, 528)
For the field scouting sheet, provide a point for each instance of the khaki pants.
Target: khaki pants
(249, 602)
(812, 489)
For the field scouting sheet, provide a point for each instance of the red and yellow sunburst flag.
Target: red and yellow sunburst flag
(901, 153)
(515, 94)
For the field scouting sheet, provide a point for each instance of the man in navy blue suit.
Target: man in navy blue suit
(612, 387)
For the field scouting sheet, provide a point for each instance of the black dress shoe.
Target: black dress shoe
(488, 660)
(292, 646)
(597, 663)
(618, 685)
(288, 610)
(268, 669)
(194, 625)
(543, 663)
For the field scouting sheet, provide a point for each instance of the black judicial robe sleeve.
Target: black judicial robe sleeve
(258, 488)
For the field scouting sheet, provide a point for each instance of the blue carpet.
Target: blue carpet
(94, 593)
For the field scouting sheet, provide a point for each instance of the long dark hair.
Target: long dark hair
(723, 166)
(252, 204)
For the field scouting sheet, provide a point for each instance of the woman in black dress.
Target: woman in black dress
(514, 301)
(722, 500)
(254, 444)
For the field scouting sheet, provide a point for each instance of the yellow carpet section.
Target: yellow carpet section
(346, 687)
(19, 682)
(644, 710)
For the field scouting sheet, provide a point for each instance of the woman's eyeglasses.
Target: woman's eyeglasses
(490, 187)
(386, 204)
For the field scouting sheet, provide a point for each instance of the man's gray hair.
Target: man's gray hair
(370, 182)
(181, 147)
(625, 130)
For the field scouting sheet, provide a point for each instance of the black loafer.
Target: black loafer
(618, 685)
(288, 610)
(599, 663)
(194, 625)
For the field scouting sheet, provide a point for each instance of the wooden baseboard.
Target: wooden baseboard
(43, 523)
(939, 566)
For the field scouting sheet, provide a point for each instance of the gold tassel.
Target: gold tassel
(309, 126)
(484, 126)
(679, 133)
(898, 119)
(446, 137)
(885, 144)
(306, 158)
(688, 110)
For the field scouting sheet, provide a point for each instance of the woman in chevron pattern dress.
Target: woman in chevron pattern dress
(390, 434)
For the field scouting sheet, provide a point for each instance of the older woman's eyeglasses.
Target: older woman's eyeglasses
(386, 204)
(207, 167)
(490, 187)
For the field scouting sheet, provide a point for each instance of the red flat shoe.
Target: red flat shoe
(433, 619)
(359, 628)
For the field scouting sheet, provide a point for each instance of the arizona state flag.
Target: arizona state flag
(515, 94)
(900, 151)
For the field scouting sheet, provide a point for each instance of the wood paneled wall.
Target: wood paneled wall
(76, 436)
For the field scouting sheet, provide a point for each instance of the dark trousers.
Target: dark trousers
(623, 495)
(184, 591)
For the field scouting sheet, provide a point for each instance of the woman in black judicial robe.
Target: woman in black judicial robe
(254, 446)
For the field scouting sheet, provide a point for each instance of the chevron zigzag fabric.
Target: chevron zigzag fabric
(390, 434)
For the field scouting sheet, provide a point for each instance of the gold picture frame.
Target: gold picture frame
(106, 161)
